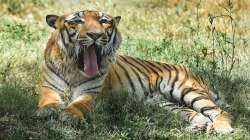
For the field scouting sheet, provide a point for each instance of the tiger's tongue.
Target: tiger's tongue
(90, 62)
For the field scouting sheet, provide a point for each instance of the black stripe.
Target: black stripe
(118, 77)
(139, 78)
(90, 79)
(52, 88)
(169, 69)
(166, 66)
(95, 92)
(74, 18)
(174, 108)
(125, 59)
(140, 63)
(202, 93)
(182, 83)
(110, 35)
(198, 80)
(175, 80)
(69, 35)
(203, 109)
(154, 66)
(169, 78)
(63, 39)
(127, 75)
(151, 67)
(190, 119)
(197, 99)
(158, 81)
(92, 88)
(114, 40)
(185, 92)
(185, 79)
(53, 85)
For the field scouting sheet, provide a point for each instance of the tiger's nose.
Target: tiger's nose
(94, 35)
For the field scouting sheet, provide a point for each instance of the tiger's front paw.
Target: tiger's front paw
(71, 119)
(48, 111)
(45, 112)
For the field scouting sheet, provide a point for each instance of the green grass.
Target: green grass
(171, 36)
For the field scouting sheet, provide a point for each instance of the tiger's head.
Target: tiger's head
(90, 38)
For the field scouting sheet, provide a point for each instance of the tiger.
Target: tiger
(81, 63)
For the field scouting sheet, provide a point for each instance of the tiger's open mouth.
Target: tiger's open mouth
(90, 60)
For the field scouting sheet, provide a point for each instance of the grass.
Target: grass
(176, 32)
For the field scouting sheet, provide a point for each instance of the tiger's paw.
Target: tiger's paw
(71, 119)
(48, 111)
(222, 124)
(221, 127)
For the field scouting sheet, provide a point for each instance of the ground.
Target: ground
(210, 37)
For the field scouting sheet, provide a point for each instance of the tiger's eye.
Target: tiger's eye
(104, 21)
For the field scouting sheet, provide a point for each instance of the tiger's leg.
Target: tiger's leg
(202, 103)
(197, 121)
(75, 111)
(49, 102)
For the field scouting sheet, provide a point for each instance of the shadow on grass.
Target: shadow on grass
(17, 116)
(16, 111)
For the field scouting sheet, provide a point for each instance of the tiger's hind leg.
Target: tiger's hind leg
(197, 121)
(49, 102)
(200, 101)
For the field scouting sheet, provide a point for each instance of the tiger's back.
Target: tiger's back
(149, 78)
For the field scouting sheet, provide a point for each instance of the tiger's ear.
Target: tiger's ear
(51, 20)
(117, 20)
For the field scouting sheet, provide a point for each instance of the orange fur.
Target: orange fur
(81, 105)
(48, 98)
